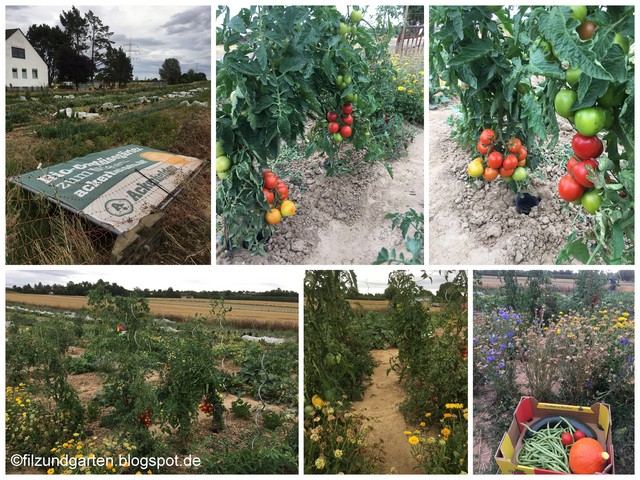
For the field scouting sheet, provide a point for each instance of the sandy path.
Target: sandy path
(381, 402)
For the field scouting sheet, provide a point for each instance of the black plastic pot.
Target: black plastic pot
(525, 202)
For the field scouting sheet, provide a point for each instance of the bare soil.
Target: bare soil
(340, 218)
(477, 223)
(380, 403)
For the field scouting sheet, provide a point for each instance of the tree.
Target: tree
(75, 25)
(117, 67)
(98, 37)
(73, 66)
(47, 41)
(170, 71)
(191, 76)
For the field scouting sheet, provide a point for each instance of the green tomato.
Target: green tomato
(223, 163)
(508, 179)
(622, 42)
(519, 174)
(339, 80)
(523, 88)
(591, 201)
(347, 79)
(589, 121)
(579, 12)
(337, 138)
(350, 98)
(356, 16)
(608, 118)
(547, 49)
(354, 30)
(219, 149)
(613, 97)
(223, 175)
(564, 101)
(342, 86)
(355, 98)
(344, 29)
(572, 76)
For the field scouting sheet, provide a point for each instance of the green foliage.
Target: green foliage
(240, 408)
(336, 351)
(410, 221)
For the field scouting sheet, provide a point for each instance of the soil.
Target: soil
(483, 216)
(380, 403)
(340, 218)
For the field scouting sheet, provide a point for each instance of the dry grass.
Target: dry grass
(249, 314)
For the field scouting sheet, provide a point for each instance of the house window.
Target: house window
(17, 52)
(14, 72)
(34, 73)
(24, 73)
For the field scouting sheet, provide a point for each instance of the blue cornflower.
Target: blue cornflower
(510, 334)
(624, 341)
(503, 346)
(501, 365)
(491, 358)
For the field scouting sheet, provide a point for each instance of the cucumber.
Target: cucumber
(553, 421)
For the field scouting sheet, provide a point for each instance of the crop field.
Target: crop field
(38, 135)
(284, 314)
(563, 284)
(131, 384)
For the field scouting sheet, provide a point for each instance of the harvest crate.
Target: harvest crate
(529, 410)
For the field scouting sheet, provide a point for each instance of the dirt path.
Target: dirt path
(340, 219)
(381, 402)
(478, 224)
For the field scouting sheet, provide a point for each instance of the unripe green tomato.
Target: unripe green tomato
(337, 137)
(519, 174)
(356, 16)
(579, 12)
(219, 149)
(339, 80)
(589, 121)
(564, 101)
(223, 175)
(613, 97)
(344, 28)
(622, 42)
(572, 76)
(223, 163)
(591, 201)
(608, 118)
(347, 79)
(350, 98)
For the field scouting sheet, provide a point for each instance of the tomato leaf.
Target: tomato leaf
(479, 48)
(579, 250)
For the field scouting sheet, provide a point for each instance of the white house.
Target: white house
(24, 66)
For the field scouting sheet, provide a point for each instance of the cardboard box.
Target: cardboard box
(529, 410)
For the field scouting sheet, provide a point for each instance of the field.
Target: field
(120, 382)
(563, 346)
(376, 375)
(282, 314)
(142, 114)
(563, 284)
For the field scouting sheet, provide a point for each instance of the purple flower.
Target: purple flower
(624, 341)
(518, 319)
(503, 346)
(475, 341)
(491, 358)
(501, 365)
(504, 314)
(510, 334)
(589, 384)
(630, 359)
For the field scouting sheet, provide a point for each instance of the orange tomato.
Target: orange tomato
(490, 174)
(273, 217)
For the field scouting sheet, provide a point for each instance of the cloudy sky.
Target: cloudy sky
(154, 32)
(196, 278)
(375, 279)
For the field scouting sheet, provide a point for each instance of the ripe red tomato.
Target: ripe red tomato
(333, 127)
(514, 145)
(283, 190)
(580, 172)
(522, 153)
(347, 119)
(270, 180)
(506, 172)
(268, 195)
(587, 147)
(265, 171)
(488, 136)
(490, 174)
(484, 149)
(569, 189)
(566, 438)
(510, 162)
(345, 131)
(578, 434)
(573, 161)
(332, 116)
(495, 160)
(347, 108)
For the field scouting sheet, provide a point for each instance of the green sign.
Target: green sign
(114, 188)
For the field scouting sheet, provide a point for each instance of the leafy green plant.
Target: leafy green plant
(240, 408)
(407, 221)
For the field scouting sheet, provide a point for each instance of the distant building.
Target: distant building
(24, 66)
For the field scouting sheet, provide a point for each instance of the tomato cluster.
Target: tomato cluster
(276, 192)
(206, 406)
(145, 418)
(340, 127)
(223, 163)
(576, 186)
(510, 166)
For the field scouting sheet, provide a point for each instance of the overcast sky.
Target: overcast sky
(195, 278)
(375, 279)
(155, 32)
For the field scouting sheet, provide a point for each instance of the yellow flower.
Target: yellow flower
(466, 416)
(413, 440)
(427, 414)
(407, 432)
(337, 453)
(409, 91)
(447, 415)
(625, 314)
(401, 88)
(422, 424)
(138, 472)
(445, 432)
(320, 462)
(558, 331)
(51, 471)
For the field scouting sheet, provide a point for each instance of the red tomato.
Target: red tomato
(282, 189)
(514, 145)
(587, 147)
(573, 161)
(265, 171)
(522, 153)
(268, 195)
(347, 119)
(506, 172)
(484, 149)
(270, 180)
(510, 162)
(488, 136)
(345, 131)
(566, 438)
(333, 127)
(495, 160)
(490, 174)
(580, 172)
(332, 116)
(569, 189)
(347, 108)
